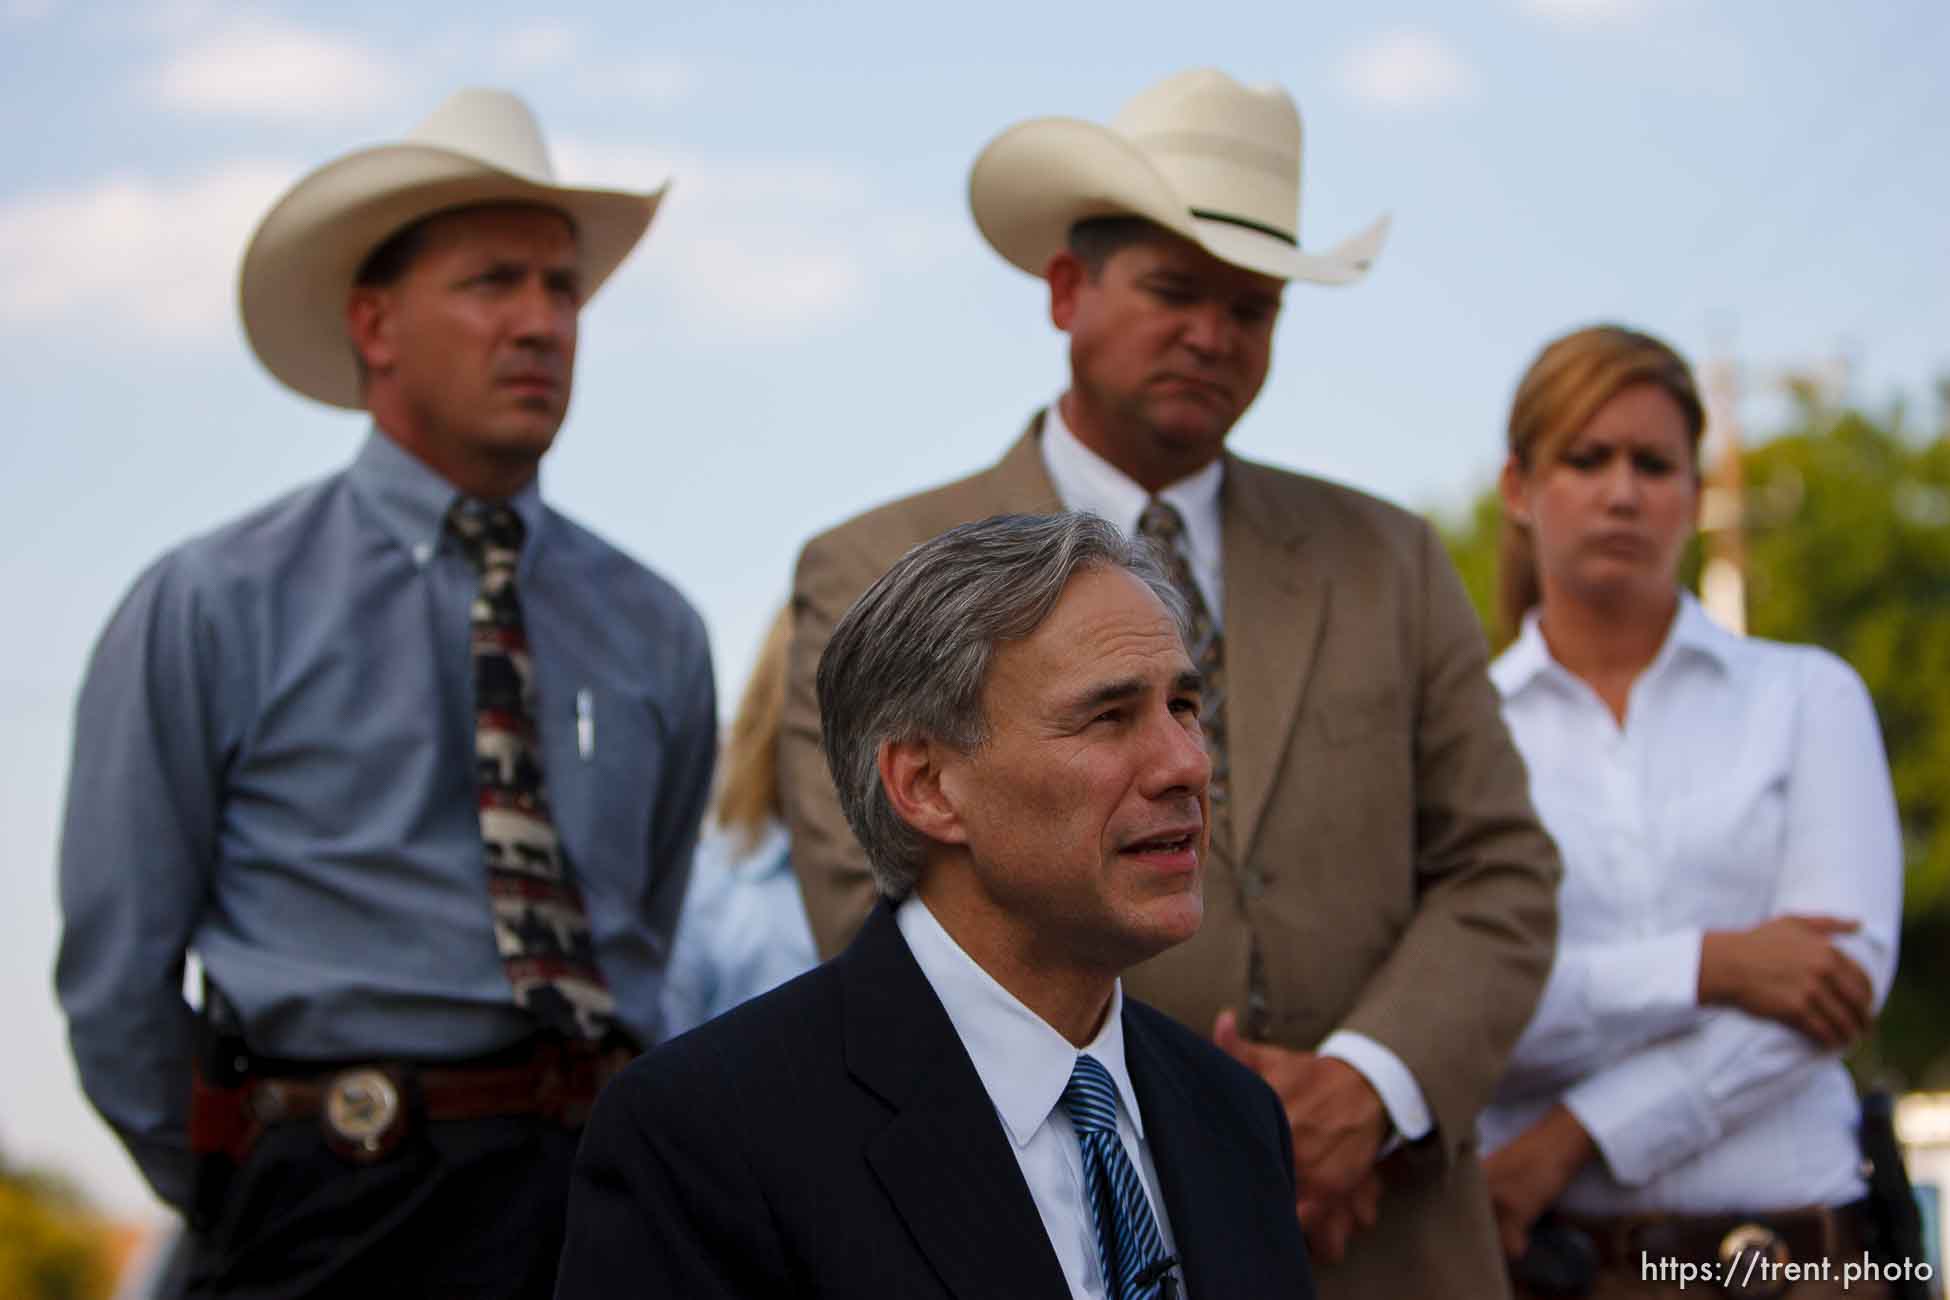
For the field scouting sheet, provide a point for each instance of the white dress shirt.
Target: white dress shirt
(1747, 781)
(1086, 481)
(1025, 1065)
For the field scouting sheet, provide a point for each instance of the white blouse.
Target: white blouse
(1748, 781)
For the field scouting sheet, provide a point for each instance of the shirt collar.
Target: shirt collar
(1693, 634)
(1525, 659)
(1086, 481)
(1024, 1064)
(412, 500)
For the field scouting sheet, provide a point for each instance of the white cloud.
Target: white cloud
(130, 254)
(657, 82)
(1587, 13)
(746, 249)
(594, 71)
(789, 190)
(772, 249)
(168, 20)
(767, 247)
(737, 279)
(608, 166)
(541, 44)
(282, 71)
(652, 80)
(1409, 68)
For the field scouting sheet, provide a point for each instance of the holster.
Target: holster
(1561, 1262)
(1895, 1222)
(222, 1127)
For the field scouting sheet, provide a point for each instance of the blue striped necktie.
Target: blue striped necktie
(1129, 1249)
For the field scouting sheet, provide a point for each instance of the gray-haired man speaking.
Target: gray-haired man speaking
(963, 1103)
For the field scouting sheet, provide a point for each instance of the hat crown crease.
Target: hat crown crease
(1205, 145)
(1203, 156)
(493, 127)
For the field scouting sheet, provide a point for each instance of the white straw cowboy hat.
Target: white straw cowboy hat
(1199, 154)
(480, 146)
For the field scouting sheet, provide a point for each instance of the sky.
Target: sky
(813, 324)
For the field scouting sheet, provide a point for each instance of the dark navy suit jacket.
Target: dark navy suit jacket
(832, 1139)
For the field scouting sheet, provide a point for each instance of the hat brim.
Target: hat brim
(1039, 178)
(299, 265)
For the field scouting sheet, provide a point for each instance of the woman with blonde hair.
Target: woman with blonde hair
(743, 929)
(1733, 870)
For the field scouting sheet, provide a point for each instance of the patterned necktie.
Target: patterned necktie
(1162, 524)
(1165, 527)
(1129, 1249)
(540, 926)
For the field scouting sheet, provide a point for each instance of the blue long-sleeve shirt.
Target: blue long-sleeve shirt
(273, 766)
(743, 930)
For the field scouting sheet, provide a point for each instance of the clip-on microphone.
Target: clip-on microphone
(1158, 1273)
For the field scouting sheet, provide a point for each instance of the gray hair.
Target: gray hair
(911, 658)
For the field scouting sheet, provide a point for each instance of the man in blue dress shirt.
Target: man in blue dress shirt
(411, 763)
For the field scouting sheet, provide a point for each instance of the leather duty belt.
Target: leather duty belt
(365, 1110)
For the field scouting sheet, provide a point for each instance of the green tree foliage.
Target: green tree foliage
(1848, 538)
(51, 1246)
(1472, 545)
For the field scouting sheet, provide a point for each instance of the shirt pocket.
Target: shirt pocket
(604, 750)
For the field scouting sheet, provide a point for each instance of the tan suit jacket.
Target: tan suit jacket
(1408, 891)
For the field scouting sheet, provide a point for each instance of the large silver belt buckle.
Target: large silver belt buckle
(1752, 1262)
(363, 1113)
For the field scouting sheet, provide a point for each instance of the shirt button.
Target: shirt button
(422, 553)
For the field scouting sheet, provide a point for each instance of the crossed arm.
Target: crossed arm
(1653, 1071)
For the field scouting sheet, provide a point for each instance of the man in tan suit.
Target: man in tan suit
(1380, 914)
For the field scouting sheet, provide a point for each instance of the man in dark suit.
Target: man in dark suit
(1380, 900)
(964, 1103)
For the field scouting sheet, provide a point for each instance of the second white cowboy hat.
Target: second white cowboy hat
(1198, 154)
(479, 146)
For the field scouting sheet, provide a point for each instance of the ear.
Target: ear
(369, 325)
(910, 774)
(1066, 275)
(1516, 502)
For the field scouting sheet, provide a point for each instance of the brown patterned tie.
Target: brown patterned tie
(1162, 524)
(540, 925)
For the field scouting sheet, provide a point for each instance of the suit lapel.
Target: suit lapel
(1275, 608)
(1021, 479)
(944, 1159)
(1198, 1171)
